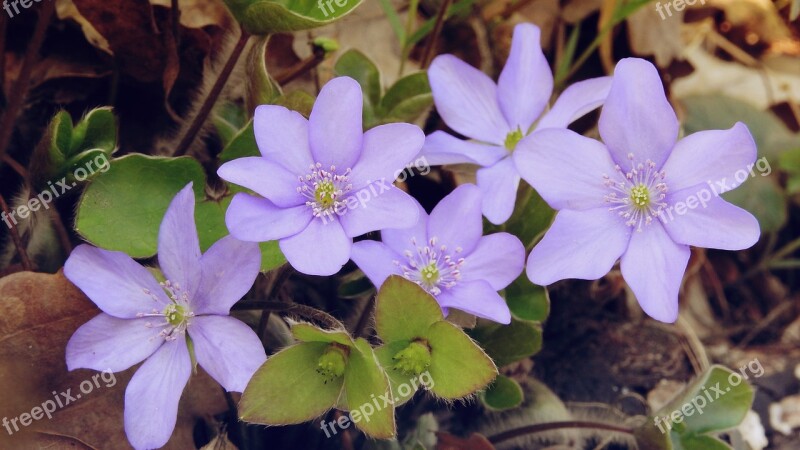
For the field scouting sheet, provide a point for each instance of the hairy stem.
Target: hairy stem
(542, 427)
(216, 90)
(291, 308)
(302, 67)
(437, 30)
(23, 255)
(19, 91)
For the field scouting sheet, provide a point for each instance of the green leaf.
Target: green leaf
(264, 17)
(403, 386)
(649, 437)
(356, 286)
(122, 209)
(458, 366)
(760, 193)
(242, 145)
(61, 135)
(503, 393)
(763, 198)
(701, 442)
(789, 162)
(326, 44)
(271, 256)
(299, 101)
(99, 130)
(404, 311)
(528, 301)
(394, 20)
(86, 163)
(260, 88)
(228, 119)
(367, 389)
(569, 53)
(459, 8)
(287, 389)
(407, 99)
(717, 112)
(510, 343)
(532, 216)
(710, 403)
(309, 333)
(210, 219)
(359, 67)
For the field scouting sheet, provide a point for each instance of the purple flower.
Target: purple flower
(144, 320)
(323, 181)
(642, 197)
(447, 255)
(498, 116)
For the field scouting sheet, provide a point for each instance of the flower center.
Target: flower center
(176, 315)
(414, 359)
(637, 195)
(324, 189)
(513, 138)
(430, 273)
(325, 194)
(640, 196)
(432, 267)
(332, 363)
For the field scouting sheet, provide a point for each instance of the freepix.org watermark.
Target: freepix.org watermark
(59, 400)
(321, 4)
(709, 395)
(362, 197)
(714, 189)
(378, 403)
(8, 5)
(99, 164)
(677, 5)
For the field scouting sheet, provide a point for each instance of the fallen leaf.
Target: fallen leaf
(66, 9)
(38, 315)
(199, 13)
(649, 34)
(775, 83)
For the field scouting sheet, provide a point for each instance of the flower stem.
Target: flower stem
(302, 67)
(437, 30)
(291, 308)
(216, 90)
(19, 91)
(786, 250)
(363, 319)
(23, 255)
(542, 427)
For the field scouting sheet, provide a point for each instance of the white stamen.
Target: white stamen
(637, 195)
(431, 267)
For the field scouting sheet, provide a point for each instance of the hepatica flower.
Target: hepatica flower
(322, 181)
(446, 254)
(497, 116)
(641, 196)
(144, 320)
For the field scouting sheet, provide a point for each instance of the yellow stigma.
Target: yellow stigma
(332, 363)
(324, 194)
(513, 138)
(414, 359)
(640, 196)
(175, 314)
(430, 274)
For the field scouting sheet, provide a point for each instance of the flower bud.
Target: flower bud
(414, 359)
(332, 363)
